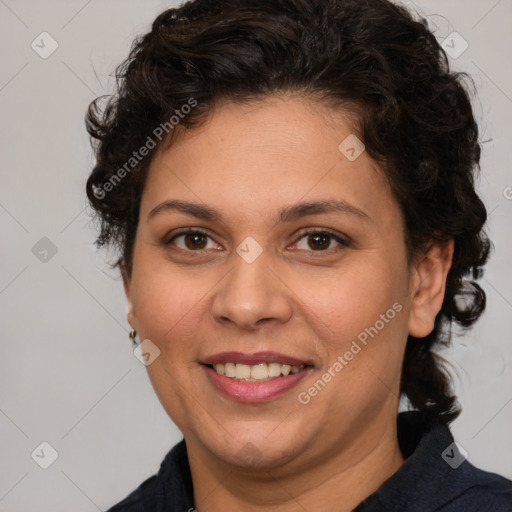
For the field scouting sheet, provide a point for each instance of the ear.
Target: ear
(127, 282)
(427, 285)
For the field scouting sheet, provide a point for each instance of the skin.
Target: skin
(247, 162)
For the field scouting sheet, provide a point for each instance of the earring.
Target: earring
(133, 336)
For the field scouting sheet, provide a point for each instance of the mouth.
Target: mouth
(259, 372)
(256, 377)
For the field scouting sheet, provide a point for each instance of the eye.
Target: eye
(321, 240)
(196, 240)
(192, 239)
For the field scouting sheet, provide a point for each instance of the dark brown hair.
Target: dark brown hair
(415, 119)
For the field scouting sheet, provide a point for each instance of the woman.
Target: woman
(290, 186)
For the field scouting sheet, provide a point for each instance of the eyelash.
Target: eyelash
(344, 242)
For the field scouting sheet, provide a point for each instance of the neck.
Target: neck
(337, 482)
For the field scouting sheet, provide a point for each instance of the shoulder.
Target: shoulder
(479, 491)
(170, 488)
(137, 500)
(451, 482)
(436, 475)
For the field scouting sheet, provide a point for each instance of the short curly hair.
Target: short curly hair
(372, 56)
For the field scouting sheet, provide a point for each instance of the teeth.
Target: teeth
(274, 370)
(260, 371)
(229, 369)
(243, 371)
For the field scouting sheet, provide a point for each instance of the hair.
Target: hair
(371, 56)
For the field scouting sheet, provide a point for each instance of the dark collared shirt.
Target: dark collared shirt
(434, 477)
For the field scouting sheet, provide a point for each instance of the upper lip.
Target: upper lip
(255, 358)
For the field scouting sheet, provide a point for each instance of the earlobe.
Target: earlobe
(428, 285)
(127, 291)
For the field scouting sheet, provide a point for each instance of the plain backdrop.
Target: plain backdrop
(68, 376)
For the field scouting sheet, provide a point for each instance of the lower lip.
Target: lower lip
(244, 391)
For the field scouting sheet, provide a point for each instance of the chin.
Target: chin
(257, 456)
(256, 449)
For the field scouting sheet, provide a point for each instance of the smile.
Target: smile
(257, 372)
(259, 377)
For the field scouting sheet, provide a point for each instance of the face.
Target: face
(261, 247)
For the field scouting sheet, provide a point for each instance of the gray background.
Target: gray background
(67, 372)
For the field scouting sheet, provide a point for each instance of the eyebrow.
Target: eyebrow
(288, 214)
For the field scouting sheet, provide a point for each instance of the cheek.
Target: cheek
(361, 318)
(168, 301)
(350, 300)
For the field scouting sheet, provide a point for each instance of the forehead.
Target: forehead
(252, 157)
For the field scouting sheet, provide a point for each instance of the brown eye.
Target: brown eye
(195, 241)
(320, 241)
(192, 240)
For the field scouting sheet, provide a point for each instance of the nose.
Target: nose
(252, 295)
